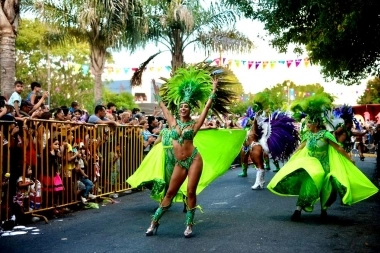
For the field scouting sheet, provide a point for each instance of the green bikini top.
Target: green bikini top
(186, 134)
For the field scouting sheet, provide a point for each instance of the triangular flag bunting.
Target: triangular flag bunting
(237, 62)
(224, 60)
(217, 61)
(168, 68)
(126, 70)
(289, 62)
(306, 61)
(243, 62)
(298, 61)
(257, 64)
(250, 63)
(265, 63)
(272, 64)
(282, 62)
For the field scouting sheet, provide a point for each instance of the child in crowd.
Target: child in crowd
(15, 99)
(87, 183)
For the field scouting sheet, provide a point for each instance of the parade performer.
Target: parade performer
(320, 169)
(188, 89)
(343, 123)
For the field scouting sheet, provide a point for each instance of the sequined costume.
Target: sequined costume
(185, 134)
(318, 171)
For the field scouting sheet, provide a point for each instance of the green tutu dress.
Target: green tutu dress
(320, 172)
(218, 148)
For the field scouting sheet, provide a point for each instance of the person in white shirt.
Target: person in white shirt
(15, 99)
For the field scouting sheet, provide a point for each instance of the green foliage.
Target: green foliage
(177, 24)
(340, 36)
(68, 81)
(276, 97)
(122, 100)
(372, 92)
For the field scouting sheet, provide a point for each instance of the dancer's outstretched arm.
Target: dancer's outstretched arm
(169, 117)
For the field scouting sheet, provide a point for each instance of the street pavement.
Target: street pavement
(234, 219)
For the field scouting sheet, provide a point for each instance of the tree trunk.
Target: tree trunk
(177, 52)
(98, 60)
(8, 11)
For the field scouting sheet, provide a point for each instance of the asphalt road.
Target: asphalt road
(235, 219)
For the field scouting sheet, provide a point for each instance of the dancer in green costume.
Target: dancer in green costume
(320, 169)
(187, 89)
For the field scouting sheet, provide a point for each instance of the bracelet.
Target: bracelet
(212, 96)
(157, 98)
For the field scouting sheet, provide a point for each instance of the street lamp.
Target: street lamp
(288, 84)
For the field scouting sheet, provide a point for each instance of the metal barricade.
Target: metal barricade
(51, 150)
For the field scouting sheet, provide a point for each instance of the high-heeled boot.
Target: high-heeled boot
(156, 220)
(189, 222)
(277, 165)
(259, 183)
(244, 172)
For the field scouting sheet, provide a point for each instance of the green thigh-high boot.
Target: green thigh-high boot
(244, 172)
(189, 222)
(156, 220)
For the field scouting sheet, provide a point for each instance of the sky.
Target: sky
(253, 79)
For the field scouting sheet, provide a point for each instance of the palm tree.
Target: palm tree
(103, 24)
(176, 24)
(9, 19)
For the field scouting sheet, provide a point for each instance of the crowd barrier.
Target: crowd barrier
(110, 154)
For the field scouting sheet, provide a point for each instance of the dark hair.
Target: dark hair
(110, 104)
(74, 103)
(65, 110)
(99, 108)
(77, 110)
(151, 119)
(45, 115)
(135, 110)
(35, 84)
(18, 82)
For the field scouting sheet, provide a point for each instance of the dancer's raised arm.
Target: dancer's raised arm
(210, 100)
(169, 117)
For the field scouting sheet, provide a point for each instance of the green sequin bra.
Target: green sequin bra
(186, 134)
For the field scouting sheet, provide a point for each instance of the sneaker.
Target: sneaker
(35, 219)
(84, 200)
(91, 196)
(114, 196)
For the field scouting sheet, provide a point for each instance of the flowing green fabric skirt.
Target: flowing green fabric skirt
(218, 148)
(304, 176)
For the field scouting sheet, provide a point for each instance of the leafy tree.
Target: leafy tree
(278, 96)
(103, 24)
(340, 36)
(69, 82)
(372, 93)
(176, 24)
(121, 100)
(9, 22)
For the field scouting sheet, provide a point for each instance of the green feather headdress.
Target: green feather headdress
(193, 85)
(188, 85)
(315, 107)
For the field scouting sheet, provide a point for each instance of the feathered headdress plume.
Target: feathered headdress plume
(346, 113)
(188, 85)
(249, 115)
(137, 76)
(280, 136)
(315, 107)
(177, 89)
